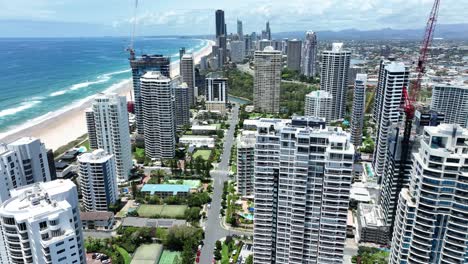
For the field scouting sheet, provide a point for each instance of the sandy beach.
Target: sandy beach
(62, 128)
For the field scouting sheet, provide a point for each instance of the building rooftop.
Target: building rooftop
(23, 141)
(37, 200)
(155, 76)
(97, 156)
(168, 188)
(370, 215)
(96, 216)
(205, 127)
(246, 139)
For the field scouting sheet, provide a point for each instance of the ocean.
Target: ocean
(40, 77)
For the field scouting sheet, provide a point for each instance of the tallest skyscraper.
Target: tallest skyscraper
(221, 37)
(220, 24)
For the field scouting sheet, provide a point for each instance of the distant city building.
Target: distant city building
(182, 106)
(181, 53)
(222, 51)
(284, 46)
(41, 224)
(268, 31)
(220, 24)
(432, 216)
(139, 67)
(318, 104)
(294, 55)
(426, 117)
(248, 45)
(111, 130)
(393, 76)
(353, 72)
(277, 44)
(240, 31)
(302, 186)
(359, 109)
(451, 100)
(216, 92)
(309, 55)
(334, 77)
(237, 51)
(98, 181)
(245, 163)
(91, 127)
(187, 71)
(158, 115)
(22, 162)
(262, 44)
(267, 80)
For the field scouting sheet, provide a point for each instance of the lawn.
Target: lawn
(127, 258)
(150, 210)
(169, 257)
(204, 153)
(147, 254)
(225, 254)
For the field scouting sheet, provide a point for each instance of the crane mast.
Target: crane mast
(410, 97)
(131, 49)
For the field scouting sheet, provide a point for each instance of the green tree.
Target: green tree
(249, 259)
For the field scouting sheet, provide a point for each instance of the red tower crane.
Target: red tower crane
(410, 97)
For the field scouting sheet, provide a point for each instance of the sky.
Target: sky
(193, 17)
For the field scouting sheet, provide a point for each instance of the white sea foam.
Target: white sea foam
(103, 78)
(55, 114)
(23, 106)
(58, 93)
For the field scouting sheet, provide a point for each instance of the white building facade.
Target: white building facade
(97, 180)
(267, 80)
(451, 100)
(359, 108)
(41, 224)
(22, 162)
(187, 71)
(318, 104)
(393, 77)
(302, 186)
(334, 77)
(432, 218)
(112, 131)
(158, 115)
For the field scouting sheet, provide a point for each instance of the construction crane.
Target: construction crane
(410, 97)
(130, 48)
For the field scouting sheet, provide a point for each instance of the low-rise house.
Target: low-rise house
(198, 141)
(166, 190)
(97, 220)
(204, 130)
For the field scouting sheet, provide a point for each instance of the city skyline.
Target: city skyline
(196, 18)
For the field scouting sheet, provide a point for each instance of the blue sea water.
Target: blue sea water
(41, 76)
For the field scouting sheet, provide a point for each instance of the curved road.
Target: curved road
(213, 229)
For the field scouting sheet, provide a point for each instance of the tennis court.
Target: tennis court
(147, 254)
(170, 211)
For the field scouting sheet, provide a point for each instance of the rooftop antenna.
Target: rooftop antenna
(132, 37)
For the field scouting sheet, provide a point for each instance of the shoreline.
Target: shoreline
(58, 128)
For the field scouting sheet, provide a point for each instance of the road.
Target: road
(214, 231)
